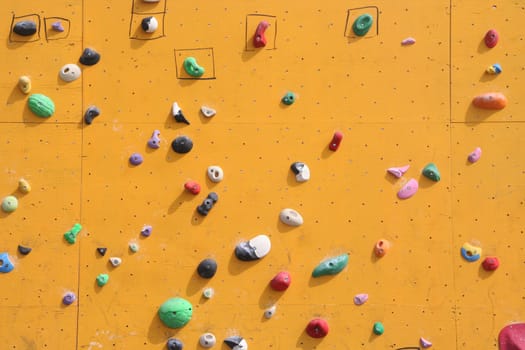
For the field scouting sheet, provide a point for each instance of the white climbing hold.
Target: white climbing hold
(70, 72)
(115, 261)
(270, 312)
(208, 293)
(291, 217)
(207, 340)
(215, 173)
(208, 112)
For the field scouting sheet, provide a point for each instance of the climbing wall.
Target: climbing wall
(394, 104)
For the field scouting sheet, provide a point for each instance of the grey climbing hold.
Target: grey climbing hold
(207, 340)
(149, 24)
(208, 203)
(256, 248)
(154, 140)
(236, 343)
(215, 173)
(174, 344)
(208, 112)
(89, 57)
(25, 28)
(91, 113)
(115, 261)
(102, 251)
(301, 171)
(178, 115)
(291, 217)
(182, 144)
(24, 250)
(207, 268)
(136, 159)
(270, 312)
(5, 263)
(70, 72)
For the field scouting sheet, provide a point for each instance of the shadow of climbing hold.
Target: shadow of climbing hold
(175, 312)
(431, 172)
(6, 265)
(494, 69)
(207, 340)
(360, 299)
(71, 235)
(317, 328)
(70, 72)
(176, 112)
(290, 217)
(378, 328)
(288, 99)
(362, 24)
(207, 268)
(193, 187)
(236, 343)
(192, 68)
(408, 190)
(91, 113)
(24, 250)
(470, 252)
(24, 186)
(102, 279)
(174, 344)
(69, 298)
(491, 38)
(512, 337)
(490, 100)
(154, 140)
(490, 263)
(136, 159)
(281, 281)
(41, 105)
(9, 204)
(270, 312)
(331, 266)
(301, 171)
(259, 38)
(425, 344)
(89, 57)
(336, 141)
(475, 155)
(398, 171)
(381, 248)
(149, 24)
(24, 84)
(254, 249)
(182, 144)
(146, 230)
(25, 28)
(208, 203)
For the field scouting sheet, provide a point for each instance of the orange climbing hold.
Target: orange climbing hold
(381, 248)
(490, 100)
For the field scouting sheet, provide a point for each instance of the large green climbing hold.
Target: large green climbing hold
(362, 24)
(431, 171)
(175, 312)
(41, 105)
(331, 266)
(71, 235)
(192, 68)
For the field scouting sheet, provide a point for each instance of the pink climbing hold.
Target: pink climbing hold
(259, 39)
(336, 141)
(408, 41)
(474, 156)
(512, 337)
(398, 171)
(491, 38)
(408, 190)
(425, 344)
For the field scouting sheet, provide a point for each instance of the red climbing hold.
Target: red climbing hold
(336, 141)
(317, 328)
(512, 337)
(192, 186)
(281, 281)
(491, 38)
(259, 39)
(490, 263)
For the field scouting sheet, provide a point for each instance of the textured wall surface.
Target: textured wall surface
(395, 105)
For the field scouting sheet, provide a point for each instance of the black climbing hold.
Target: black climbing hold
(245, 252)
(208, 203)
(174, 344)
(180, 118)
(89, 57)
(102, 251)
(25, 28)
(91, 113)
(236, 342)
(182, 144)
(24, 250)
(207, 268)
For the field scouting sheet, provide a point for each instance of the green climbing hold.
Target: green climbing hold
(192, 68)
(175, 312)
(71, 235)
(331, 266)
(102, 279)
(362, 24)
(41, 105)
(378, 328)
(9, 204)
(431, 171)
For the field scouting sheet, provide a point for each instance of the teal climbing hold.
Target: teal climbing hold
(431, 171)
(288, 98)
(378, 328)
(175, 312)
(362, 24)
(192, 68)
(331, 266)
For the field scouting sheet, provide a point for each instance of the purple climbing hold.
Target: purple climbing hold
(69, 298)
(474, 156)
(57, 26)
(154, 140)
(136, 159)
(146, 230)
(425, 344)
(360, 299)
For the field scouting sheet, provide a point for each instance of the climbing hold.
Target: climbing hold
(102, 251)
(41, 105)
(431, 171)
(146, 230)
(176, 112)
(182, 144)
(215, 173)
(149, 24)
(208, 293)
(102, 279)
(208, 112)
(512, 337)
(317, 328)
(494, 69)
(154, 140)
(398, 171)
(425, 344)
(490, 100)
(408, 41)
(362, 24)
(291, 217)
(207, 268)
(207, 340)
(24, 84)
(236, 343)
(281, 281)
(490, 263)
(336, 141)
(381, 248)
(134, 247)
(193, 187)
(115, 261)
(301, 171)
(175, 312)
(208, 203)
(474, 156)
(256, 248)
(69, 298)
(192, 68)
(24, 186)
(9, 204)
(91, 113)
(5, 263)
(331, 266)
(288, 98)
(378, 328)
(57, 26)
(360, 299)
(136, 159)
(270, 312)
(89, 57)
(173, 343)
(70, 72)
(71, 235)
(25, 28)
(408, 190)
(491, 38)
(24, 250)
(259, 39)
(470, 252)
